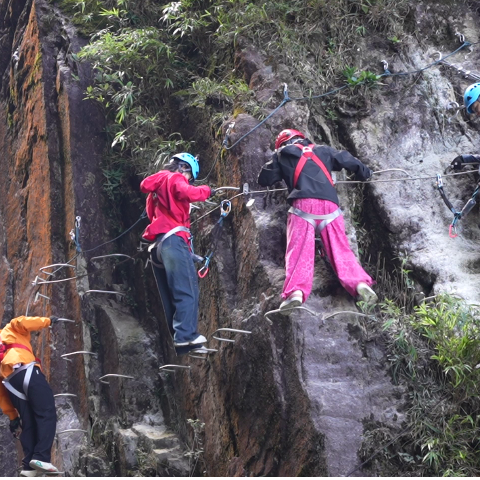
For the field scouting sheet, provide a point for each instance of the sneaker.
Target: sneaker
(366, 294)
(196, 341)
(295, 299)
(28, 473)
(43, 466)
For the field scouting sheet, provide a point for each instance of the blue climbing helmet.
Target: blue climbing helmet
(471, 96)
(190, 159)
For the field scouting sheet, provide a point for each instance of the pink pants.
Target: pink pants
(300, 256)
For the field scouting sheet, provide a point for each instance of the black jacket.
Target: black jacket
(312, 182)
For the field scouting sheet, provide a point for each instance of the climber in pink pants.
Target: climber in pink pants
(300, 256)
(306, 169)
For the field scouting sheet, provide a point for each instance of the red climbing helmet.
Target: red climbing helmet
(286, 135)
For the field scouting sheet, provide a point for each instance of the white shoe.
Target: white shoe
(43, 466)
(295, 299)
(196, 341)
(28, 473)
(366, 294)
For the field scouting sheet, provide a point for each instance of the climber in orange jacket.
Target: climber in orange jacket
(25, 390)
(168, 208)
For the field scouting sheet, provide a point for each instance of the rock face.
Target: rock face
(290, 398)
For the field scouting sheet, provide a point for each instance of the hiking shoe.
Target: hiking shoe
(295, 299)
(28, 473)
(366, 294)
(198, 340)
(43, 466)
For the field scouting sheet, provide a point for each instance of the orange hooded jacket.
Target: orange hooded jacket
(17, 331)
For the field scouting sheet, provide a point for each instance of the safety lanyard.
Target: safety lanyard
(225, 208)
(457, 215)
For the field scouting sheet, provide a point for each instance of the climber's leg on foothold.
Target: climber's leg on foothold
(182, 282)
(300, 255)
(349, 271)
(295, 299)
(163, 290)
(366, 294)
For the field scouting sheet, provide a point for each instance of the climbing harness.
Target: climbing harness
(457, 214)
(7, 346)
(313, 219)
(225, 208)
(307, 154)
(26, 381)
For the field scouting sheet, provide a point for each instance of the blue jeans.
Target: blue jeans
(177, 283)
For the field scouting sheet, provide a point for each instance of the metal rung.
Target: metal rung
(65, 320)
(61, 265)
(47, 282)
(65, 355)
(206, 350)
(72, 430)
(234, 330)
(180, 367)
(105, 291)
(37, 282)
(40, 295)
(113, 375)
(349, 313)
(315, 314)
(111, 255)
(65, 395)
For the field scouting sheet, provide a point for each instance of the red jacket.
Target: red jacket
(168, 202)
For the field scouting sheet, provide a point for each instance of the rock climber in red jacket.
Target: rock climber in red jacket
(306, 169)
(170, 192)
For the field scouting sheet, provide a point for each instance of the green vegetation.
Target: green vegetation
(436, 351)
(154, 61)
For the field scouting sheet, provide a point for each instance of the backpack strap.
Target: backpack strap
(8, 346)
(307, 153)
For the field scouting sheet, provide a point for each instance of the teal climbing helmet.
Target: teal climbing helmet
(471, 96)
(191, 160)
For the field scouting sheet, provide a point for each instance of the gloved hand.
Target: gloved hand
(53, 320)
(14, 425)
(213, 192)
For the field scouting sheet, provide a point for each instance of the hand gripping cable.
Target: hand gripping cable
(225, 207)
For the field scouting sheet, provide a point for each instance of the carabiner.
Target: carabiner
(226, 206)
(204, 270)
(202, 273)
(454, 229)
